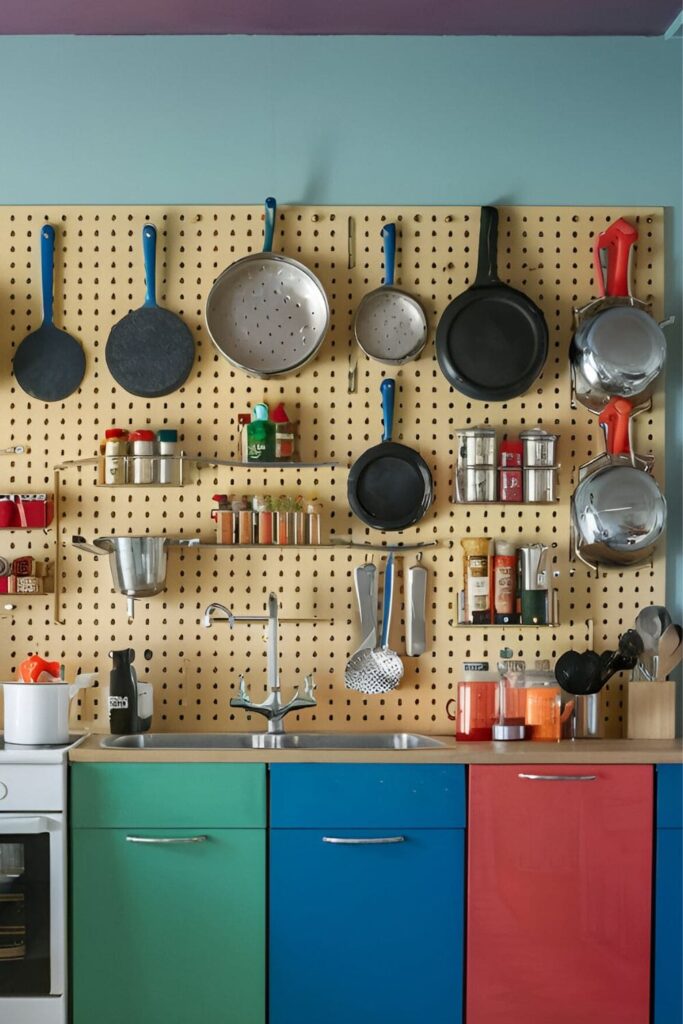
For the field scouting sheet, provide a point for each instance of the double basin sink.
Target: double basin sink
(272, 741)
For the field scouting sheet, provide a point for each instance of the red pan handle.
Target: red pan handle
(617, 239)
(615, 418)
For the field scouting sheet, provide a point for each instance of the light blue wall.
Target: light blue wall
(322, 120)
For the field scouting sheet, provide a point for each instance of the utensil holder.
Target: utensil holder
(651, 710)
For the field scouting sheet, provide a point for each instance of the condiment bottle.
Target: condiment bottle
(285, 436)
(504, 583)
(143, 462)
(260, 436)
(477, 583)
(243, 420)
(313, 511)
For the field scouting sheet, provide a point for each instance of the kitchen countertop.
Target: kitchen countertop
(524, 752)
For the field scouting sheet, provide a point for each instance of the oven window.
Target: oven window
(25, 915)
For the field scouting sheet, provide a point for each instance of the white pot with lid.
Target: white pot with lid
(37, 714)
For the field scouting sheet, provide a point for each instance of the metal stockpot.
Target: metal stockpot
(138, 564)
(618, 511)
(618, 349)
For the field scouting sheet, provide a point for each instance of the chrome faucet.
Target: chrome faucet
(272, 707)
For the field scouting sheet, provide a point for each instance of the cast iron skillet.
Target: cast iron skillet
(491, 341)
(390, 486)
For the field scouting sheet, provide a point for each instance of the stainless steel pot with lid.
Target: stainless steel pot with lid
(618, 349)
(618, 510)
(138, 564)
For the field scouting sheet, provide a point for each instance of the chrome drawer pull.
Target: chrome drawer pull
(557, 778)
(160, 840)
(343, 841)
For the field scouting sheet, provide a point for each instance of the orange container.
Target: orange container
(543, 712)
(476, 710)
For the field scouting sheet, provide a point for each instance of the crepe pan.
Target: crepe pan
(150, 351)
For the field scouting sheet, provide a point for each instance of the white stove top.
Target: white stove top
(19, 753)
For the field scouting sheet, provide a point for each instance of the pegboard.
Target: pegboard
(546, 252)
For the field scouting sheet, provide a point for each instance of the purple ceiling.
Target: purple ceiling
(338, 17)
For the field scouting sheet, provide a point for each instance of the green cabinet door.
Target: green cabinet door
(168, 932)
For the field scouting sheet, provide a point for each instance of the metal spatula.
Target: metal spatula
(377, 670)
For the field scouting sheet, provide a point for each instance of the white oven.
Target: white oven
(33, 886)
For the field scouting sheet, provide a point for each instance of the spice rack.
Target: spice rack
(180, 479)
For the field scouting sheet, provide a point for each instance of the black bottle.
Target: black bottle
(123, 693)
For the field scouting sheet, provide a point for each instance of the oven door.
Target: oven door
(32, 914)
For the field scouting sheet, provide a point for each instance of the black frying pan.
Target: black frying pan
(491, 341)
(150, 351)
(390, 485)
(49, 364)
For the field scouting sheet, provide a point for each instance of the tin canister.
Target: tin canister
(540, 483)
(539, 447)
(476, 483)
(476, 446)
(475, 464)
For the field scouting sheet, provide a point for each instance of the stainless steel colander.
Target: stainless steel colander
(267, 314)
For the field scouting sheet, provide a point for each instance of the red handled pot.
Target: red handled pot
(618, 348)
(618, 510)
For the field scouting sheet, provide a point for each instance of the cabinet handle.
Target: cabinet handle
(557, 778)
(164, 840)
(344, 841)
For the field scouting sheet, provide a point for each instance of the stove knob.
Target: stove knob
(3, 790)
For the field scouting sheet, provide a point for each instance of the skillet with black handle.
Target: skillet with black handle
(492, 340)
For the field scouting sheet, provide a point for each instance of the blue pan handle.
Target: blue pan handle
(388, 595)
(389, 237)
(47, 269)
(388, 391)
(269, 230)
(149, 253)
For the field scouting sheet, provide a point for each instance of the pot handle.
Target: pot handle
(487, 263)
(82, 681)
(269, 229)
(388, 391)
(389, 239)
(618, 239)
(81, 542)
(183, 542)
(615, 420)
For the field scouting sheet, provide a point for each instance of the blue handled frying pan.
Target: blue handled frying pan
(150, 351)
(390, 486)
(49, 364)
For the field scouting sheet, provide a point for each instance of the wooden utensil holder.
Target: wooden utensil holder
(651, 710)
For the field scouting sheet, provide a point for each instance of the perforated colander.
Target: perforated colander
(267, 314)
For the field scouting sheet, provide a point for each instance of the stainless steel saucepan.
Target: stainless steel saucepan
(138, 564)
(618, 510)
(618, 349)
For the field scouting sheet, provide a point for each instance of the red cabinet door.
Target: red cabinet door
(559, 894)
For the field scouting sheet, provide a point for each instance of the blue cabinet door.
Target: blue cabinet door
(366, 931)
(668, 938)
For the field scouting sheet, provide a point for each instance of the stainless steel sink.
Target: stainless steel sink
(267, 741)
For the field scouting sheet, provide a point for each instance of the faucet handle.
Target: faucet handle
(243, 689)
(309, 686)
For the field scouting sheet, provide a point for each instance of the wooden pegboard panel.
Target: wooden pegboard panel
(544, 251)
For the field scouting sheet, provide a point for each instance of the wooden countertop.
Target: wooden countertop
(524, 752)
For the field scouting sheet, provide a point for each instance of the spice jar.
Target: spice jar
(141, 444)
(167, 464)
(285, 434)
(113, 464)
(313, 512)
